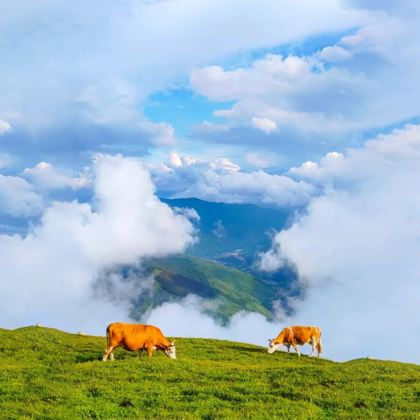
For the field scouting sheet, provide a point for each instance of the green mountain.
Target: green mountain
(49, 374)
(230, 289)
(221, 266)
(233, 233)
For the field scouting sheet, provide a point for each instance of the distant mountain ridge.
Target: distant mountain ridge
(233, 233)
(221, 267)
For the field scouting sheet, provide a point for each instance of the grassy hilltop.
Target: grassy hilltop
(45, 373)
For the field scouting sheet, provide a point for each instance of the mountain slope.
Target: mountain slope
(233, 233)
(230, 289)
(46, 373)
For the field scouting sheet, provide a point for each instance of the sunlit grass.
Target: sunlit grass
(46, 373)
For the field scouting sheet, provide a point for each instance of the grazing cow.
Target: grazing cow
(137, 337)
(292, 336)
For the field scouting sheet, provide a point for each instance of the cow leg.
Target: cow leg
(288, 348)
(109, 352)
(319, 347)
(313, 344)
(296, 348)
(149, 350)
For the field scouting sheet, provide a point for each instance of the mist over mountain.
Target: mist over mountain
(220, 267)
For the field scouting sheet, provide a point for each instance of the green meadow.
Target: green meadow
(49, 374)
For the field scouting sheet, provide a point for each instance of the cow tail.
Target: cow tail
(108, 338)
(319, 342)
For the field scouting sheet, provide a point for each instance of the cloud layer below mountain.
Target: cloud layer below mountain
(356, 248)
(49, 275)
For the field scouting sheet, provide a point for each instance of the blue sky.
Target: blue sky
(151, 78)
(184, 108)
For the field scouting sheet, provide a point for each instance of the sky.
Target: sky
(106, 107)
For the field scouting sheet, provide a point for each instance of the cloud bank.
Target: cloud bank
(48, 275)
(87, 99)
(222, 180)
(356, 248)
(18, 197)
(304, 101)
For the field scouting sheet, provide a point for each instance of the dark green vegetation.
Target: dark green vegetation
(233, 233)
(46, 373)
(230, 236)
(231, 290)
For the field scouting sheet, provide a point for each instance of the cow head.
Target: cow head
(170, 350)
(272, 346)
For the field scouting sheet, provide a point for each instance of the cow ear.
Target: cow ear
(173, 343)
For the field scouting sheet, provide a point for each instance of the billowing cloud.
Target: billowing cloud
(46, 177)
(18, 197)
(254, 187)
(50, 275)
(356, 248)
(222, 180)
(176, 319)
(359, 82)
(91, 98)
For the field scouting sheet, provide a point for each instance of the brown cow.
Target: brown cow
(292, 336)
(137, 337)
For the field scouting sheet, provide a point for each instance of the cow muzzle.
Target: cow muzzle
(271, 346)
(171, 352)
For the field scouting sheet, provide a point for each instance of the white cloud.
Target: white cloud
(224, 165)
(18, 198)
(49, 275)
(335, 53)
(356, 249)
(5, 127)
(264, 124)
(249, 187)
(190, 214)
(184, 319)
(361, 82)
(312, 171)
(115, 103)
(46, 177)
(128, 48)
(222, 180)
(272, 73)
(175, 159)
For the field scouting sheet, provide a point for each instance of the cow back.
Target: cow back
(303, 334)
(136, 336)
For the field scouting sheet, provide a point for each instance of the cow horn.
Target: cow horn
(173, 343)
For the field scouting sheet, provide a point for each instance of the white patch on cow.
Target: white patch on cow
(272, 347)
(171, 352)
